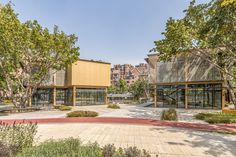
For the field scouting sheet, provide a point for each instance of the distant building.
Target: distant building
(128, 72)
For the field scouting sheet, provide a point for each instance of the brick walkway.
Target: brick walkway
(222, 128)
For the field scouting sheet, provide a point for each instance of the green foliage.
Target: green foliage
(7, 101)
(63, 148)
(16, 137)
(73, 148)
(139, 88)
(207, 31)
(122, 86)
(56, 106)
(29, 54)
(109, 150)
(6, 151)
(113, 106)
(82, 114)
(217, 117)
(112, 89)
(64, 108)
(169, 114)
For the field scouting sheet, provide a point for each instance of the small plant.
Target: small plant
(6, 101)
(5, 150)
(109, 150)
(64, 108)
(82, 114)
(16, 137)
(169, 114)
(135, 152)
(113, 106)
(56, 106)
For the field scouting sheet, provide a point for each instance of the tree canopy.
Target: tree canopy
(27, 53)
(208, 31)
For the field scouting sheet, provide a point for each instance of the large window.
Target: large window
(89, 96)
(61, 95)
(43, 96)
(171, 96)
(204, 96)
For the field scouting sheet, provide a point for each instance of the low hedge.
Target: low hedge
(82, 114)
(217, 117)
(63, 108)
(113, 106)
(74, 148)
(169, 114)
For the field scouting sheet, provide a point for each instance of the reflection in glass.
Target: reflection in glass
(204, 96)
(171, 96)
(43, 96)
(90, 96)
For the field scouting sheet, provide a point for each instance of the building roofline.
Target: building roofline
(95, 61)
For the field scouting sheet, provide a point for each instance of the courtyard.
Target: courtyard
(125, 111)
(158, 138)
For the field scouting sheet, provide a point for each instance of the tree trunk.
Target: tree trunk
(229, 87)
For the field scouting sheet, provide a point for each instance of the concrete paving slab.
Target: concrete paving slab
(164, 141)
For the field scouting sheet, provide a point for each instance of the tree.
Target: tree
(28, 52)
(122, 86)
(208, 31)
(139, 88)
(112, 89)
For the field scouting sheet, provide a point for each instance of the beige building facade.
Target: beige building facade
(85, 82)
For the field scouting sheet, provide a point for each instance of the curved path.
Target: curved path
(222, 128)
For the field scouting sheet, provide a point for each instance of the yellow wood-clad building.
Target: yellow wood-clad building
(85, 82)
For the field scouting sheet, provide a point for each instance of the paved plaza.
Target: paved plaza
(126, 111)
(164, 141)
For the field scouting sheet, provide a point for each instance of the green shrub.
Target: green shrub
(109, 150)
(169, 114)
(16, 137)
(73, 148)
(113, 106)
(82, 114)
(62, 148)
(5, 151)
(56, 106)
(7, 101)
(64, 108)
(202, 116)
(217, 117)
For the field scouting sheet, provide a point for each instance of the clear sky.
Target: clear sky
(116, 31)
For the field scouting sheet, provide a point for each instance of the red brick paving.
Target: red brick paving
(224, 128)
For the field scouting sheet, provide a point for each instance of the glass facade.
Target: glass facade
(90, 96)
(84, 96)
(202, 96)
(171, 96)
(43, 96)
(61, 95)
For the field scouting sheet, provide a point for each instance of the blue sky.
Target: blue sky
(116, 31)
